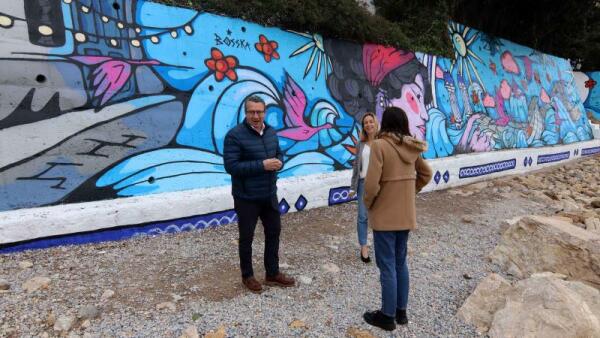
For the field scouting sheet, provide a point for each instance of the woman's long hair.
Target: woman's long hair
(364, 137)
(394, 121)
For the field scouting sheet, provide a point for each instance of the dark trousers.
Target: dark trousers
(248, 213)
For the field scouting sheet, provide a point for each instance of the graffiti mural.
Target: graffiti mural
(588, 85)
(102, 99)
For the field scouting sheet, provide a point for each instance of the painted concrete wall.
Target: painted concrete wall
(103, 100)
(588, 86)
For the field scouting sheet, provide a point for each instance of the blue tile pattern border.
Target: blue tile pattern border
(590, 151)
(549, 158)
(486, 169)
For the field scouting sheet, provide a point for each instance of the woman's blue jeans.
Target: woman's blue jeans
(362, 221)
(390, 255)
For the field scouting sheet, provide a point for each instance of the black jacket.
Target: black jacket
(243, 154)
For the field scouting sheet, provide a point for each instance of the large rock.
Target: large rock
(488, 297)
(538, 244)
(547, 306)
(544, 305)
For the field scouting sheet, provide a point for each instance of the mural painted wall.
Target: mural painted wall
(588, 85)
(104, 99)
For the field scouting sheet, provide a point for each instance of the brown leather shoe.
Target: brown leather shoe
(252, 284)
(280, 280)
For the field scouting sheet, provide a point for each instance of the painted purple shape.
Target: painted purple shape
(437, 177)
(294, 100)
(504, 118)
(446, 176)
(528, 69)
(301, 203)
(109, 75)
(340, 195)
(284, 206)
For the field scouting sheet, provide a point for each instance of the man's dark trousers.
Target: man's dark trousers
(248, 212)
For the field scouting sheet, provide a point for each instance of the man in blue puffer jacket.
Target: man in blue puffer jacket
(252, 157)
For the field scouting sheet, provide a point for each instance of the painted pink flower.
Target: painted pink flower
(222, 65)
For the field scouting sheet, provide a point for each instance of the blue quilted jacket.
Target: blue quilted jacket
(244, 152)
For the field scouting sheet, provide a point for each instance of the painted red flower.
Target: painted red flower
(222, 65)
(590, 83)
(268, 48)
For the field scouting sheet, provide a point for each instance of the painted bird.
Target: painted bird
(294, 100)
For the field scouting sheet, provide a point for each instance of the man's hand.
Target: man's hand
(272, 164)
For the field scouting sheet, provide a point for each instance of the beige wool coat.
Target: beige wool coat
(396, 173)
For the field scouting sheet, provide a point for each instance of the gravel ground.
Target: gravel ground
(194, 276)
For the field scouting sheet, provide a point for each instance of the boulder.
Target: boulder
(538, 244)
(488, 297)
(544, 305)
(547, 306)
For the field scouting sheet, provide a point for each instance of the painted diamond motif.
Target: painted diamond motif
(525, 161)
(301, 203)
(446, 176)
(284, 207)
(530, 161)
(437, 177)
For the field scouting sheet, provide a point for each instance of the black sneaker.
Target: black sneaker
(377, 318)
(401, 318)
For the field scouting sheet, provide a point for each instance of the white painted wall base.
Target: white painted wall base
(27, 224)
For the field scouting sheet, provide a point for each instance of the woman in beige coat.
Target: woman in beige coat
(396, 173)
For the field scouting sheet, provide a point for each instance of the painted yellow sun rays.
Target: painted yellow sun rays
(463, 55)
(318, 51)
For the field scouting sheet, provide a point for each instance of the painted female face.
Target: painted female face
(369, 125)
(412, 102)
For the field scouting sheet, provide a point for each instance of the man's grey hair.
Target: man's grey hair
(255, 99)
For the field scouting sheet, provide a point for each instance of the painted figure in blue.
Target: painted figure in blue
(373, 77)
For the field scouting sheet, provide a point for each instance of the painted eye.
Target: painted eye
(418, 96)
(381, 103)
